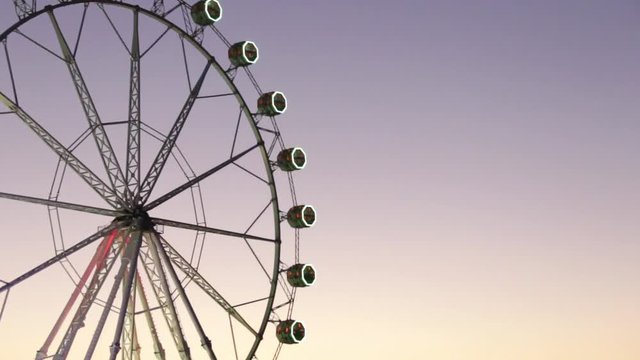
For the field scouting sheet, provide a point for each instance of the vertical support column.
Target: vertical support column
(157, 345)
(160, 286)
(129, 263)
(204, 340)
(102, 270)
(97, 261)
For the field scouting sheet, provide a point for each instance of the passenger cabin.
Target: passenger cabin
(290, 331)
(243, 53)
(272, 103)
(206, 12)
(301, 216)
(301, 275)
(292, 159)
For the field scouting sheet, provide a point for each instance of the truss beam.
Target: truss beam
(109, 159)
(133, 140)
(82, 170)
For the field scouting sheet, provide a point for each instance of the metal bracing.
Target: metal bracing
(83, 171)
(198, 33)
(204, 340)
(101, 233)
(133, 140)
(23, 9)
(109, 159)
(97, 260)
(196, 193)
(129, 264)
(61, 204)
(158, 7)
(198, 178)
(158, 350)
(150, 259)
(4, 302)
(102, 268)
(158, 164)
(184, 265)
(211, 230)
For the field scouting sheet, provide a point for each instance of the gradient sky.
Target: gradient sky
(475, 169)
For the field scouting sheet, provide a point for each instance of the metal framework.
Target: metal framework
(132, 255)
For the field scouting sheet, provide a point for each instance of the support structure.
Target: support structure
(109, 159)
(161, 159)
(133, 139)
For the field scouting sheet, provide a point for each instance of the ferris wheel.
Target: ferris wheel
(170, 238)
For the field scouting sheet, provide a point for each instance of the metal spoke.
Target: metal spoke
(133, 140)
(155, 42)
(87, 175)
(216, 95)
(55, 259)
(204, 340)
(158, 164)
(181, 263)
(38, 44)
(4, 302)
(101, 6)
(84, 14)
(109, 159)
(198, 179)
(251, 302)
(235, 135)
(186, 64)
(13, 82)
(60, 204)
(177, 224)
(233, 337)
(251, 173)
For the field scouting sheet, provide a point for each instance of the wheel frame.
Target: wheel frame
(249, 116)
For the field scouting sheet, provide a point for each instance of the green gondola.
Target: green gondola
(206, 12)
(292, 159)
(301, 216)
(243, 53)
(301, 275)
(272, 103)
(290, 331)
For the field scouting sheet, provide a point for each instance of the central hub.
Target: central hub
(137, 218)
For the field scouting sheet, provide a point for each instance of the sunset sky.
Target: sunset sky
(475, 166)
